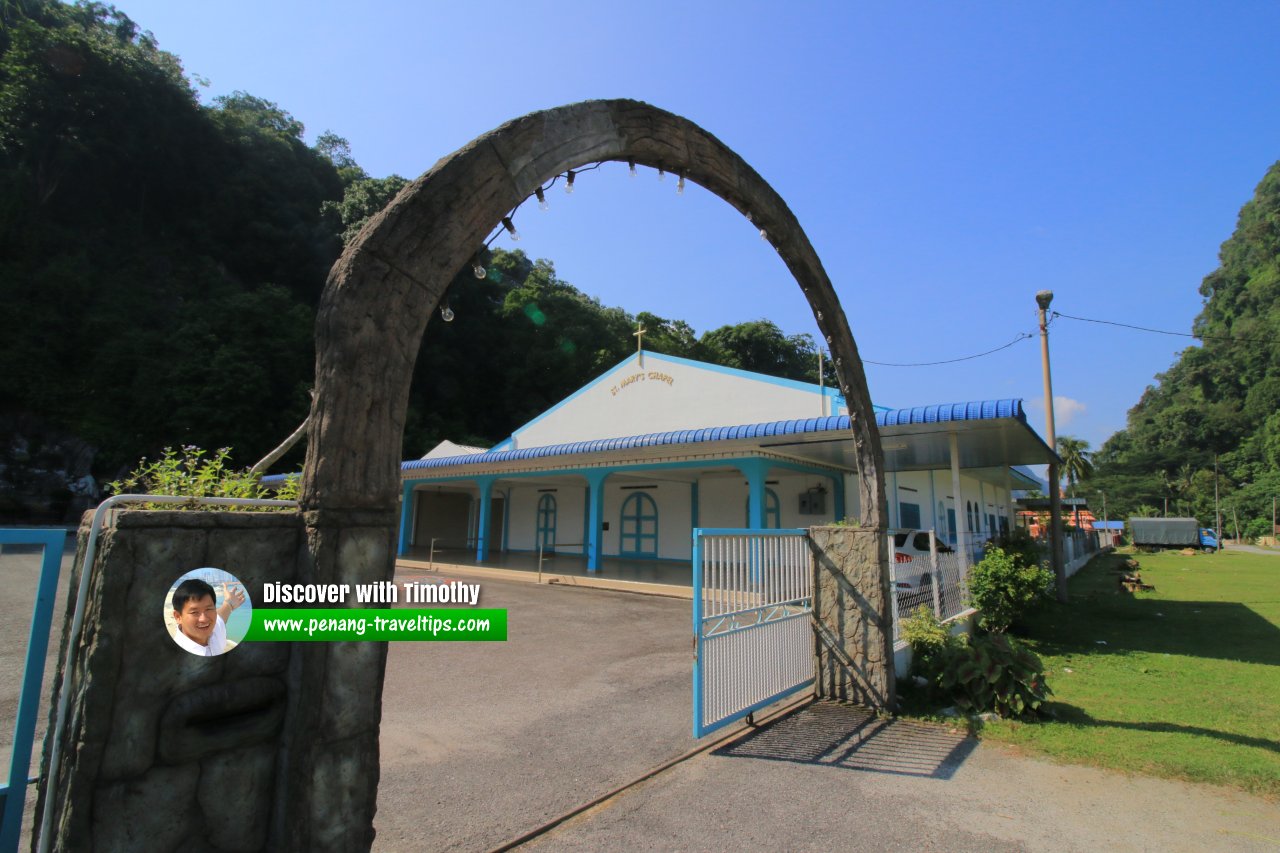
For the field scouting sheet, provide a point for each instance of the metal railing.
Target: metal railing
(542, 552)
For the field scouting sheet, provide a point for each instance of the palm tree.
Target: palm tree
(1075, 460)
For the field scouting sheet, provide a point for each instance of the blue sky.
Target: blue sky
(947, 160)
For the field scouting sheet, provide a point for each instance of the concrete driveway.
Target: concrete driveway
(483, 741)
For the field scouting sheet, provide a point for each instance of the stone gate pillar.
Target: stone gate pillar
(853, 614)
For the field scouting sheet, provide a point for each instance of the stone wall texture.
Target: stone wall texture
(164, 749)
(853, 612)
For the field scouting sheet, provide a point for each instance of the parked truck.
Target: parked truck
(1172, 533)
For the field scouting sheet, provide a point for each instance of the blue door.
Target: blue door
(639, 528)
(547, 522)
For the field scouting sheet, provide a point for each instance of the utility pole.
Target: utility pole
(1043, 298)
(1217, 507)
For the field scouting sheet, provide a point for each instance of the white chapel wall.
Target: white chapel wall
(664, 395)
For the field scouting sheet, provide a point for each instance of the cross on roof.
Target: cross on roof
(639, 334)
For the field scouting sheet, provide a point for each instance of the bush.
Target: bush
(1021, 545)
(1002, 587)
(188, 473)
(996, 673)
(932, 645)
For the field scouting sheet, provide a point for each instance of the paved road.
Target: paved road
(1252, 549)
(831, 778)
(481, 742)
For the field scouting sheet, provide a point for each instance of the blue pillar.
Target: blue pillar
(406, 517)
(693, 505)
(506, 517)
(756, 471)
(595, 518)
(837, 489)
(486, 516)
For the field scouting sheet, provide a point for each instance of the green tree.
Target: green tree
(1075, 460)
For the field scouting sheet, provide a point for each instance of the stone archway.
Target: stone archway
(374, 311)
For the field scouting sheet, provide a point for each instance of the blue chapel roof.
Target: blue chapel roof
(917, 415)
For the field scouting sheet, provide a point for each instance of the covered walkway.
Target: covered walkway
(662, 577)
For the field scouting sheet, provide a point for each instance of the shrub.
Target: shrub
(1002, 587)
(932, 645)
(190, 472)
(994, 672)
(1021, 545)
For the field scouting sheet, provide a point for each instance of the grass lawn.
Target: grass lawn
(1181, 682)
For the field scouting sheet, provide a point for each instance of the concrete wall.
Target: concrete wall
(443, 515)
(168, 747)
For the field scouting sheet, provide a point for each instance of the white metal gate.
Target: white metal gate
(752, 608)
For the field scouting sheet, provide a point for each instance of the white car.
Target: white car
(911, 569)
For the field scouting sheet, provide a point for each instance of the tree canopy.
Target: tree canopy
(161, 260)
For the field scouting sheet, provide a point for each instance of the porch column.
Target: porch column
(595, 518)
(483, 524)
(962, 519)
(756, 471)
(982, 514)
(406, 517)
(837, 497)
(933, 504)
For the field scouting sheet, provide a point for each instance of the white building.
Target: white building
(627, 466)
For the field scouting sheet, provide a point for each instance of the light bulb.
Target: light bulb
(763, 236)
(680, 185)
(446, 313)
(542, 199)
(568, 187)
(478, 271)
(750, 218)
(631, 167)
(511, 229)
(662, 176)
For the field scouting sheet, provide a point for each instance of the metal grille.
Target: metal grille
(752, 605)
(925, 577)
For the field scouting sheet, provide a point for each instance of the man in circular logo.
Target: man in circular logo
(201, 621)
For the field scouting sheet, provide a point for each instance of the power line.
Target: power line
(1164, 332)
(1022, 337)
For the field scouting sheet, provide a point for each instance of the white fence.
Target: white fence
(1078, 547)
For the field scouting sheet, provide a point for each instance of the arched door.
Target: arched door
(547, 522)
(639, 527)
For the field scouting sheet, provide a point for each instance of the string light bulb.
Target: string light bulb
(631, 168)
(680, 185)
(511, 229)
(478, 270)
(662, 176)
(568, 186)
(542, 199)
(763, 236)
(446, 313)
